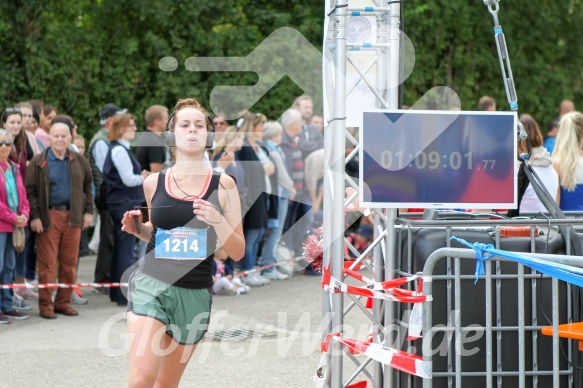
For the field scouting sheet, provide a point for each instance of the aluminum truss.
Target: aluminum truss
(386, 95)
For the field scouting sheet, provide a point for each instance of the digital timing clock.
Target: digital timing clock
(438, 159)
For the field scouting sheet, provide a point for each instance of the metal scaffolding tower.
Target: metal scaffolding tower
(339, 50)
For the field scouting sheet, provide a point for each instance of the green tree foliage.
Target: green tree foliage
(80, 54)
(455, 47)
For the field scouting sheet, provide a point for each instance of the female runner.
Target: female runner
(169, 294)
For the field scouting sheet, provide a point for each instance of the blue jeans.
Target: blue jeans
(268, 253)
(7, 262)
(123, 250)
(252, 239)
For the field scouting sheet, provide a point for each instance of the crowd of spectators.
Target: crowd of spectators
(557, 159)
(55, 185)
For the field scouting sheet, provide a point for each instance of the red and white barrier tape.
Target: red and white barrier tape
(373, 285)
(243, 273)
(397, 359)
(111, 285)
(349, 263)
(61, 285)
(391, 292)
(374, 290)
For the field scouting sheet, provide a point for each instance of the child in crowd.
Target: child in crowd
(224, 281)
(361, 240)
(79, 141)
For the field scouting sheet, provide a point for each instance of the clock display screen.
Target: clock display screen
(438, 159)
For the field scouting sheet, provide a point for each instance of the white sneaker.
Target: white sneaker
(249, 281)
(274, 275)
(254, 280)
(26, 293)
(243, 289)
(76, 299)
(258, 276)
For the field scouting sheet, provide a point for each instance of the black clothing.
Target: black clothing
(117, 191)
(150, 149)
(256, 216)
(168, 213)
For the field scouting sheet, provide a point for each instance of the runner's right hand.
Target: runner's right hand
(128, 224)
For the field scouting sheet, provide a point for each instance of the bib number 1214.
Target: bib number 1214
(181, 244)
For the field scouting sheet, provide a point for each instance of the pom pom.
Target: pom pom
(314, 249)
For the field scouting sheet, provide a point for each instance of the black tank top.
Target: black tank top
(169, 213)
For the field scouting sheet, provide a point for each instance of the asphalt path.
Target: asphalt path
(90, 350)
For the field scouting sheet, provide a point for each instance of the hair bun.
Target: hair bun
(188, 103)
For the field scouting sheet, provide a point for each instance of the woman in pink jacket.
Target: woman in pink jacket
(14, 212)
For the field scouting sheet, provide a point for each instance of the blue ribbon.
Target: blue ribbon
(567, 273)
(482, 254)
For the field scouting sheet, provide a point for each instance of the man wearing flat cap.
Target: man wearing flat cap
(98, 148)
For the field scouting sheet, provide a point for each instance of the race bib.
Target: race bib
(181, 244)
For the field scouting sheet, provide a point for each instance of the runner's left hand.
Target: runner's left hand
(206, 212)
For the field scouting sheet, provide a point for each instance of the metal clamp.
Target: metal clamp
(493, 8)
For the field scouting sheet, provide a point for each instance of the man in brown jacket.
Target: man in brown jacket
(58, 186)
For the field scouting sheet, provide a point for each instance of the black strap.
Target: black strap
(523, 183)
